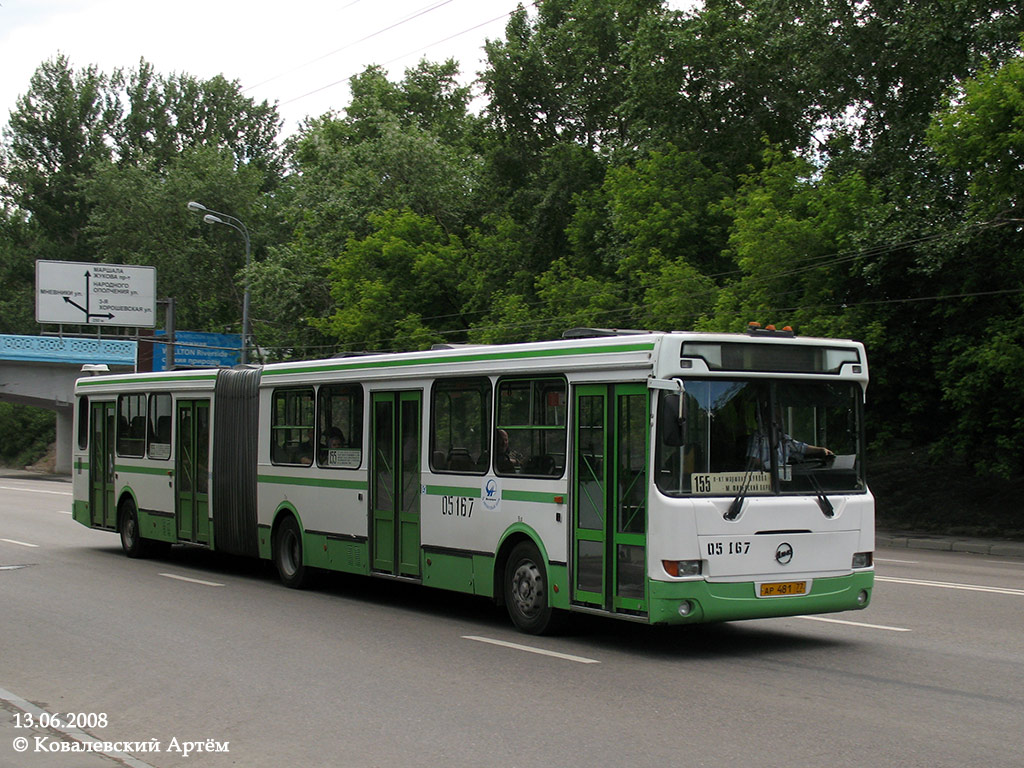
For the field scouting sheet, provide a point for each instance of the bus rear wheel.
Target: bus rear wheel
(288, 554)
(128, 526)
(526, 591)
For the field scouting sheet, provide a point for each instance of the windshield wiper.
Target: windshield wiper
(737, 503)
(826, 506)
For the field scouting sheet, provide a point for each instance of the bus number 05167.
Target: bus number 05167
(728, 548)
(457, 506)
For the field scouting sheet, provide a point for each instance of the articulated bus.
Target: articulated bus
(664, 478)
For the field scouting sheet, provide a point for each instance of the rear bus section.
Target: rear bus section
(167, 458)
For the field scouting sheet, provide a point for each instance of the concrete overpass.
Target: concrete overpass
(41, 371)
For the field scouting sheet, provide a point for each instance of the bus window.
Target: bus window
(131, 425)
(83, 422)
(461, 425)
(530, 434)
(759, 437)
(340, 426)
(291, 427)
(159, 426)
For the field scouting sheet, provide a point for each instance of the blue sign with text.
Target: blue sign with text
(194, 349)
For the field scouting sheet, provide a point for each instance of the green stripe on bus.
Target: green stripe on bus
(452, 490)
(133, 470)
(315, 482)
(470, 358)
(535, 497)
(103, 380)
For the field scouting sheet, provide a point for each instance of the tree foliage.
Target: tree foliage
(850, 168)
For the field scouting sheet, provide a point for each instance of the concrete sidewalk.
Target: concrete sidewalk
(940, 543)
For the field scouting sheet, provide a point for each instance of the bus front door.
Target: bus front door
(192, 460)
(610, 497)
(101, 466)
(395, 483)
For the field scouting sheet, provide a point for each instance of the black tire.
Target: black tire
(128, 526)
(288, 554)
(526, 591)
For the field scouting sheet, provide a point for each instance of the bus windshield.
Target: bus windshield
(725, 437)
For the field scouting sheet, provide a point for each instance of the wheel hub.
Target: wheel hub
(526, 588)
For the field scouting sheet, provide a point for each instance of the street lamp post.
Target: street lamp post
(216, 217)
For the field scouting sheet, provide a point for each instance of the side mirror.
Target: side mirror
(672, 420)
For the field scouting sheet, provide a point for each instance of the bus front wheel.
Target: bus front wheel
(288, 554)
(526, 590)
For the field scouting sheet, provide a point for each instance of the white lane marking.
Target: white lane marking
(62, 511)
(854, 623)
(889, 560)
(33, 490)
(21, 543)
(531, 649)
(192, 581)
(72, 733)
(953, 585)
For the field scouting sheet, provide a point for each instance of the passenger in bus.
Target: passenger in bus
(505, 460)
(333, 440)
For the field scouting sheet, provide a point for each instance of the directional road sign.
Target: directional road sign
(76, 293)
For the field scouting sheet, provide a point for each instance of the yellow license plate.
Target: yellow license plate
(783, 588)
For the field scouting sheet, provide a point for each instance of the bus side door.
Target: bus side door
(395, 482)
(101, 465)
(192, 463)
(610, 497)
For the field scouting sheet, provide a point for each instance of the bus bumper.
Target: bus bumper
(695, 602)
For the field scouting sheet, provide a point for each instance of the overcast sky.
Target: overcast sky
(299, 53)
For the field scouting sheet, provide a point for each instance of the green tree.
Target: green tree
(723, 77)
(56, 137)
(905, 57)
(398, 288)
(795, 239)
(980, 139)
(139, 216)
(399, 146)
(17, 272)
(167, 115)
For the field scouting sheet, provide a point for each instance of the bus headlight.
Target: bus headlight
(679, 568)
(863, 559)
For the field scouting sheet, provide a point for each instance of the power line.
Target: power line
(413, 16)
(450, 37)
(304, 65)
(404, 55)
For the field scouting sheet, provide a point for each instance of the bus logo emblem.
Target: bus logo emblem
(784, 554)
(491, 494)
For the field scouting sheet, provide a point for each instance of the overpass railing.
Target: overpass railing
(65, 349)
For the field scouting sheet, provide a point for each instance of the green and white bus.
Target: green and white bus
(664, 478)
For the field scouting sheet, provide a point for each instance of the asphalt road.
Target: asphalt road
(193, 648)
